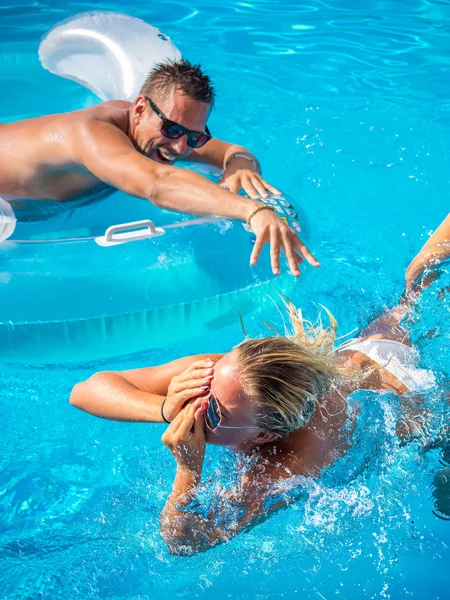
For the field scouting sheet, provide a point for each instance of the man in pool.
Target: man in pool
(282, 400)
(87, 154)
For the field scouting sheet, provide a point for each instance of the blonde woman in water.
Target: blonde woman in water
(284, 398)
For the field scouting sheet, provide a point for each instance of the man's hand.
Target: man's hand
(235, 179)
(189, 384)
(185, 438)
(268, 227)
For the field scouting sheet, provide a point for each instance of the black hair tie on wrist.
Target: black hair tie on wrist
(162, 412)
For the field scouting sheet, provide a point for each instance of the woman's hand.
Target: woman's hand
(191, 383)
(235, 179)
(185, 437)
(428, 257)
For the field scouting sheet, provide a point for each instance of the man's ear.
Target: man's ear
(139, 107)
(265, 437)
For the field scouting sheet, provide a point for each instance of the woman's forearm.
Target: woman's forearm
(110, 396)
(184, 531)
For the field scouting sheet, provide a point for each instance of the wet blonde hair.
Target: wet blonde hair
(289, 374)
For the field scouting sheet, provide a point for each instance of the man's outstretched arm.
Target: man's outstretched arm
(241, 168)
(108, 153)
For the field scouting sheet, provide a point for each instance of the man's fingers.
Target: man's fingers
(234, 186)
(259, 186)
(260, 241)
(291, 255)
(249, 188)
(270, 188)
(275, 251)
(300, 247)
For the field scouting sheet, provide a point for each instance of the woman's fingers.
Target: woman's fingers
(173, 427)
(191, 394)
(191, 383)
(184, 430)
(197, 370)
(205, 363)
(199, 424)
(194, 383)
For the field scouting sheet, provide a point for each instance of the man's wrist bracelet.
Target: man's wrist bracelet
(244, 156)
(256, 210)
(162, 412)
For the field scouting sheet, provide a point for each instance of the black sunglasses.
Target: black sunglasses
(174, 131)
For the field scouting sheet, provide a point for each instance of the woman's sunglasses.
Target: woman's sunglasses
(174, 131)
(213, 417)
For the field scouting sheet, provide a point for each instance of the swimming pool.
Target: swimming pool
(347, 109)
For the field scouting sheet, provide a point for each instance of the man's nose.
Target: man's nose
(180, 145)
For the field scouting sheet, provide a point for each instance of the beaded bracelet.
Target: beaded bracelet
(256, 210)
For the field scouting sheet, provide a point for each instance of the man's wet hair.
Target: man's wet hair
(181, 74)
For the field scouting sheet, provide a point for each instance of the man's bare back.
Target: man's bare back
(39, 159)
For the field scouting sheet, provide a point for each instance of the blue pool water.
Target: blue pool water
(347, 109)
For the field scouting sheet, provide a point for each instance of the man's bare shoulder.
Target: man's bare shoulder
(115, 112)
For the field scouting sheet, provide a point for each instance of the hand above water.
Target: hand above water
(191, 383)
(185, 437)
(247, 179)
(268, 227)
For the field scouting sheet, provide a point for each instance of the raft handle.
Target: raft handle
(129, 232)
